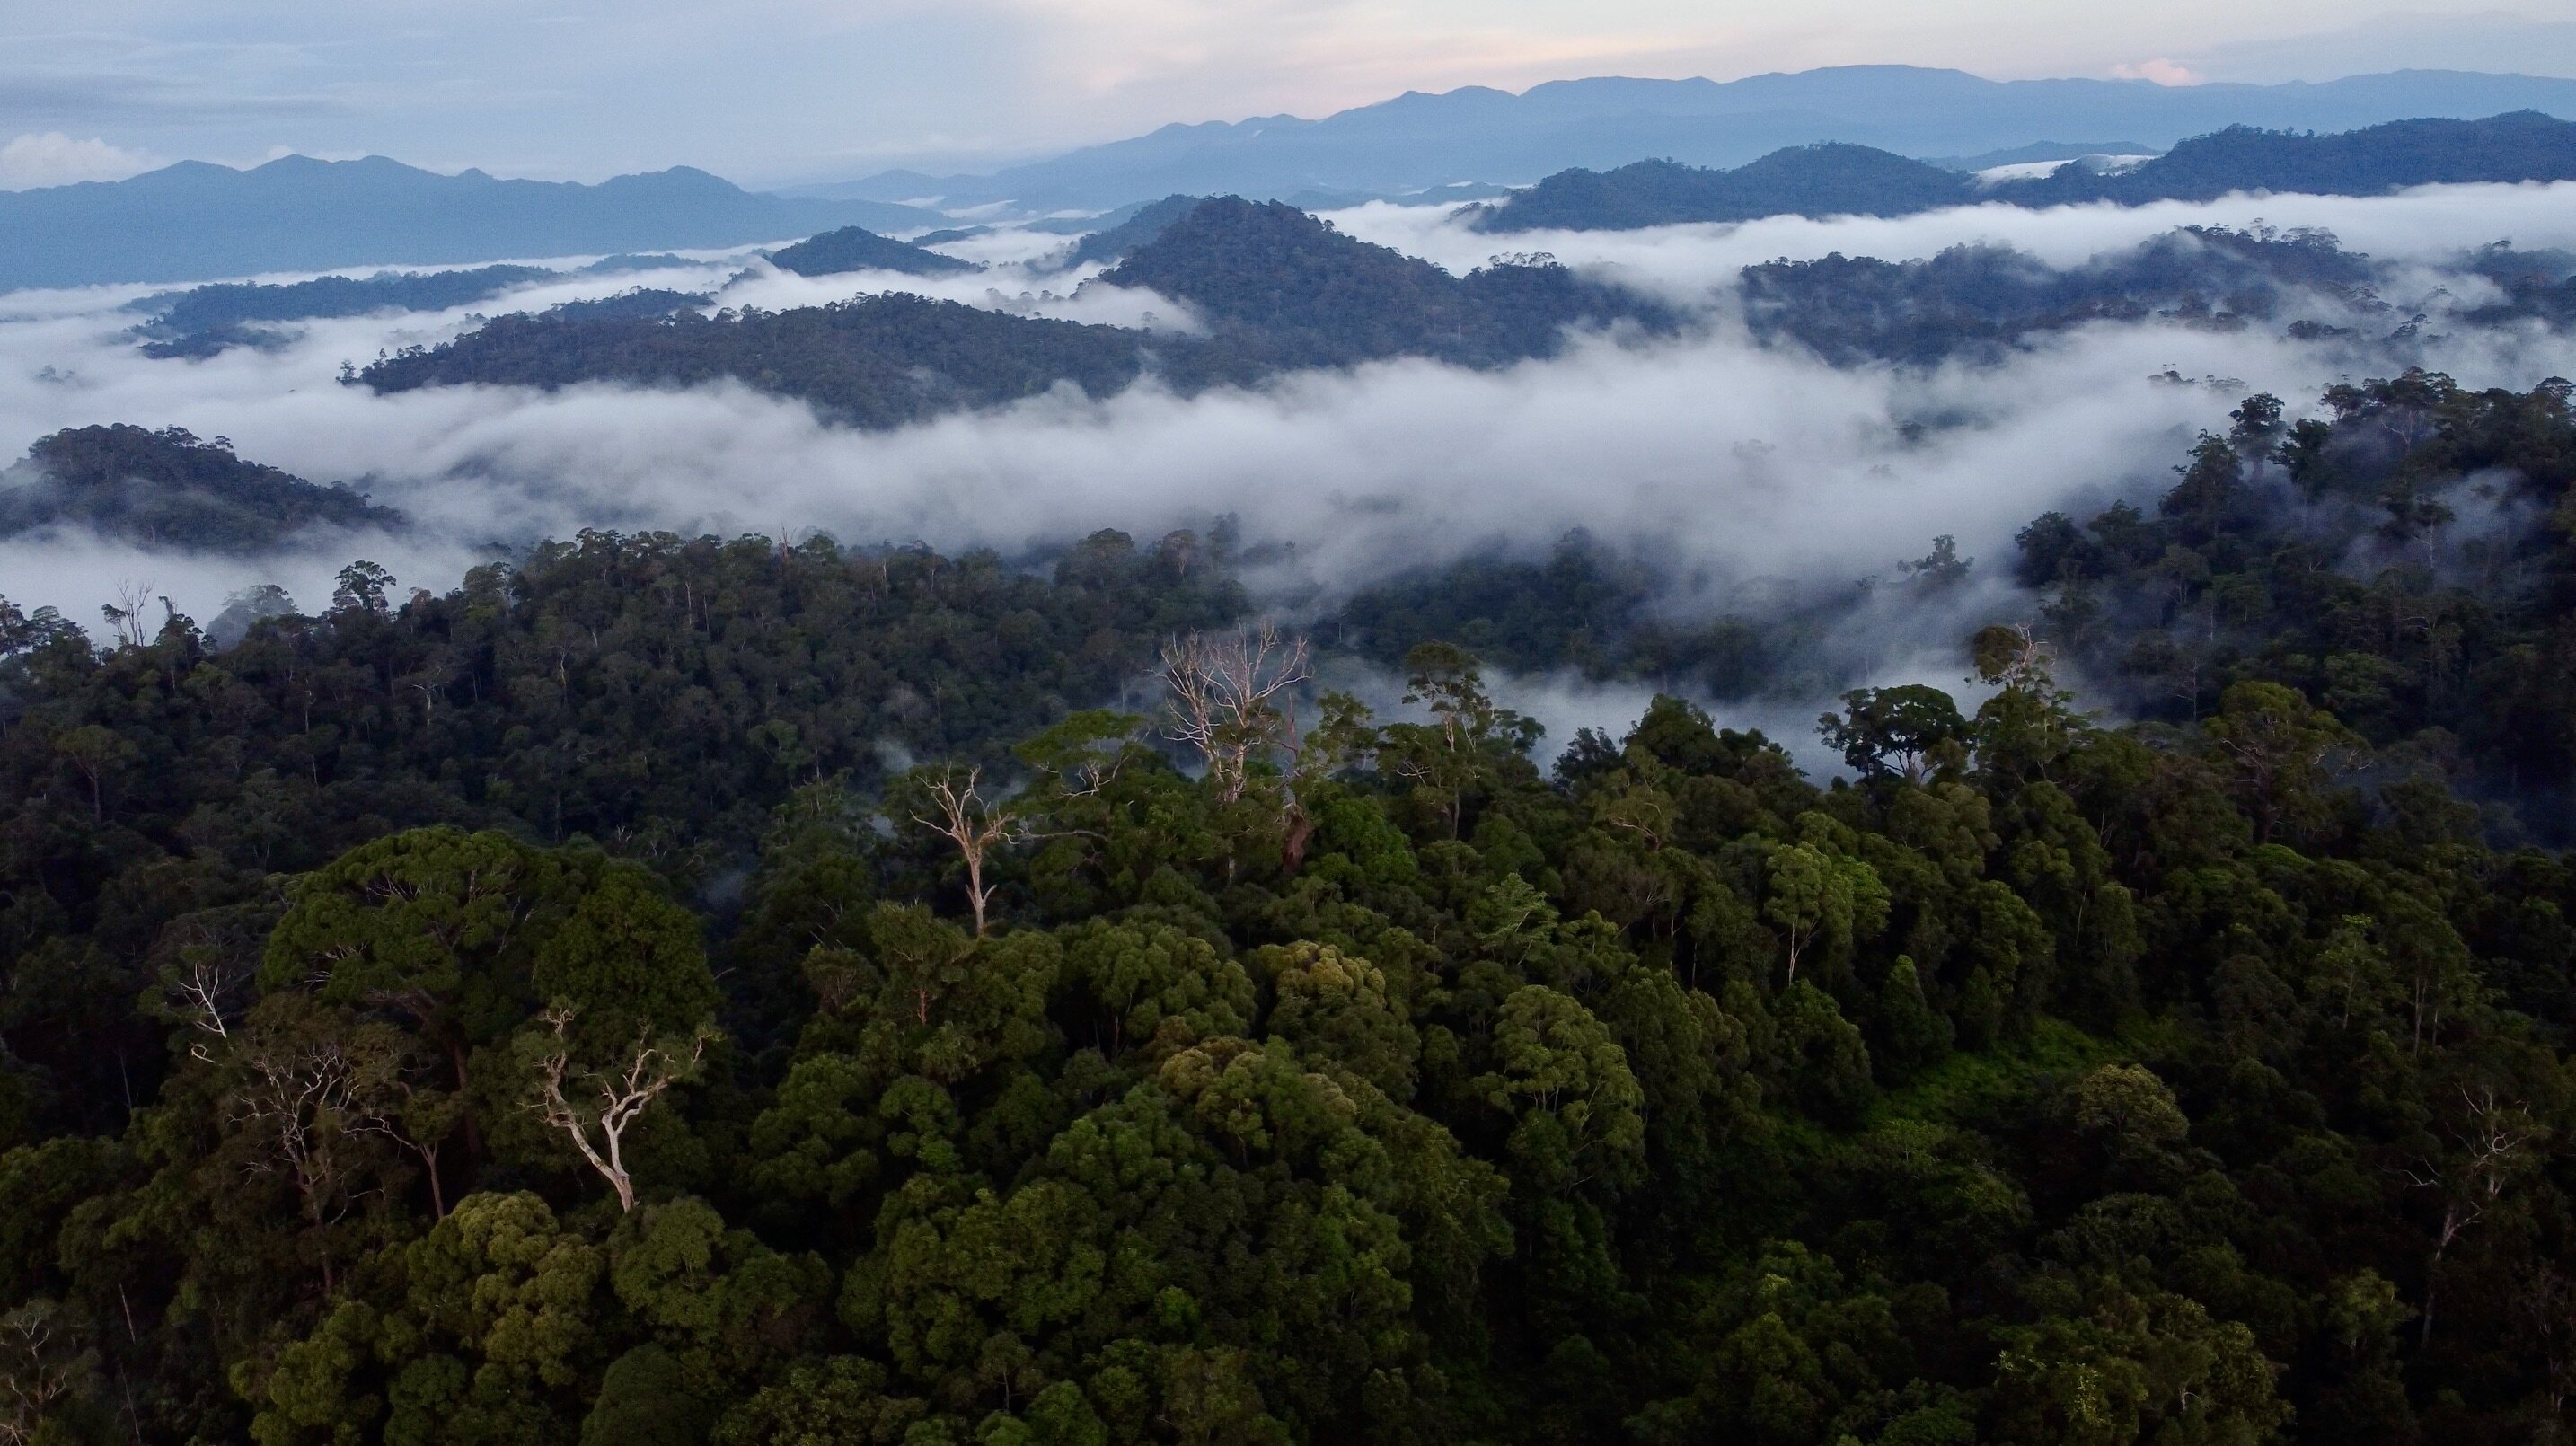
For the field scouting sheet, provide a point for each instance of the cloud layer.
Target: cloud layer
(1728, 461)
(51, 158)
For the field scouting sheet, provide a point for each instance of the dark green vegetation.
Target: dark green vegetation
(1111, 244)
(2401, 558)
(1832, 179)
(877, 361)
(643, 301)
(1829, 180)
(853, 248)
(563, 1010)
(1980, 301)
(1279, 289)
(2525, 146)
(168, 489)
(1277, 284)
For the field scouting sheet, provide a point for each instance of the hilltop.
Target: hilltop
(1830, 180)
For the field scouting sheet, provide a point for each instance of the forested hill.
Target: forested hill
(1979, 301)
(1829, 180)
(1299, 293)
(1819, 180)
(854, 248)
(1279, 288)
(2527, 146)
(168, 489)
(678, 990)
(878, 361)
(1111, 245)
(2397, 555)
(204, 320)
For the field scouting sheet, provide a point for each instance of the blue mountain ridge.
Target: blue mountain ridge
(195, 221)
(1419, 140)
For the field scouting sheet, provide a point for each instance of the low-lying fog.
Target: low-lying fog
(1730, 461)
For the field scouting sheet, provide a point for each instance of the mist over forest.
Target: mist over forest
(1854, 800)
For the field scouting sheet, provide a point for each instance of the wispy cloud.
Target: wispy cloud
(2160, 70)
(52, 158)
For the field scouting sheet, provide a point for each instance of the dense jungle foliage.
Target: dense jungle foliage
(1278, 288)
(2401, 558)
(166, 488)
(675, 990)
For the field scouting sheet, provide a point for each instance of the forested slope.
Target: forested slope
(2400, 556)
(855, 248)
(1848, 180)
(166, 488)
(677, 990)
(1980, 301)
(1281, 290)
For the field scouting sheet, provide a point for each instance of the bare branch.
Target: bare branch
(623, 1093)
(976, 825)
(1233, 698)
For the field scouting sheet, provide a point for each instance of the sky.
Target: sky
(773, 92)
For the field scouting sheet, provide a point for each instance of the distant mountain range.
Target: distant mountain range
(1838, 179)
(195, 221)
(1416, 140)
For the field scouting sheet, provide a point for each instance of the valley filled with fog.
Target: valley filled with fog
(1721, 459)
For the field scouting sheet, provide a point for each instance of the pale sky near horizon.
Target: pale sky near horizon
(771, 92)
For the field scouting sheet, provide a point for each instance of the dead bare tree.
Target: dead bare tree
(622, 1093)
(300, 1097)
(975, 824)
(2493, 1140)
(125, 615)
(41, 1363)
(201, 988)
(1233, 698)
